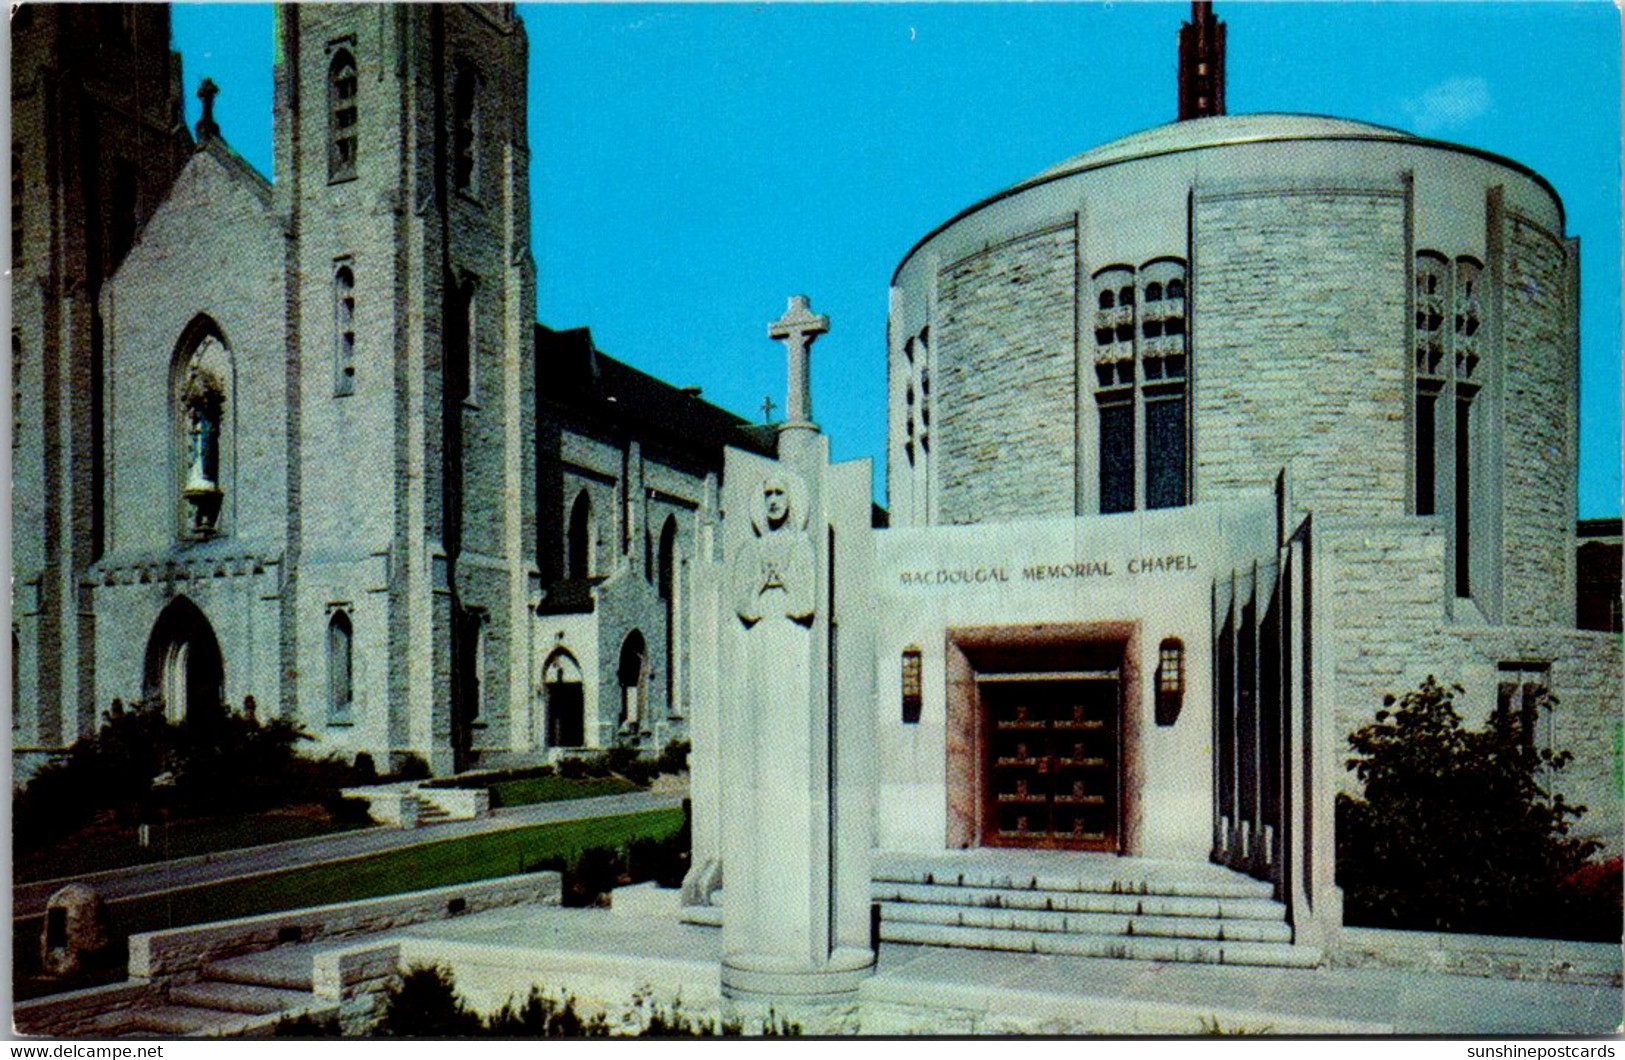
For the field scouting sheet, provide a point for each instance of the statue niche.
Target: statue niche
(203, 398)
(774, 571)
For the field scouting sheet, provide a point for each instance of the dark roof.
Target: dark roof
(589, 386)
(1599, 527)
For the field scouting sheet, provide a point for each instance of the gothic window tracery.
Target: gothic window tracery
(343, 116)
(1449, 325)
(1140, 368)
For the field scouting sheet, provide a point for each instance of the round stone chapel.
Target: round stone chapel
(1200, 443)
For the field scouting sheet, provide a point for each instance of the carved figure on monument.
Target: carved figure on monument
(774, 571)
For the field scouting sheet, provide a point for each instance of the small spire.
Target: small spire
(206, 126)
(1201, 64)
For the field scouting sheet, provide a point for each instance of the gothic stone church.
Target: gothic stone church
(300, 447)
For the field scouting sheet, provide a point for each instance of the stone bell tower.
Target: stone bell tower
(402, 175)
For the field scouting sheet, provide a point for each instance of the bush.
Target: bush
(140, 765)
(426, 1005)
(673, 758)
(1459, 829)
(542, 1016)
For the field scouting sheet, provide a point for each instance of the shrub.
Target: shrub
(542, 1016)
(1458, 829)
(426, 1005)
(673, 758)
(139, 765)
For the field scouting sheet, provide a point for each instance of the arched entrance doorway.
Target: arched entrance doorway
(631, 674)
(566, 706)
(184, 671)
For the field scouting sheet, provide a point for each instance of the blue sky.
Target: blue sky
(693, 165)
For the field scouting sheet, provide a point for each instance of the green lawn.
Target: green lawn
(555, 789)
(113, 847)
(418, 868)
(438, 864)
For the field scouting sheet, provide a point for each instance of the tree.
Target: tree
(1458, 829)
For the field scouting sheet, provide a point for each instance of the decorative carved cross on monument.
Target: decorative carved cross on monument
(767, 409)
(797, 329)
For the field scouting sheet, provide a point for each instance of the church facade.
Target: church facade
(327, 467)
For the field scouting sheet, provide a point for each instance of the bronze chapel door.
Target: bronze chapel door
(1051, 760)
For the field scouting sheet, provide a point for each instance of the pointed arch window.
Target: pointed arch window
(343, 116)
(579, 545)
(466, 129)
(343, 331)
(340, 673)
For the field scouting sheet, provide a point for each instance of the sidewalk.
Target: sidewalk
(29, 899)
(600, 955)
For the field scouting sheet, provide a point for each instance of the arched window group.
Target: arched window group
(343, 116)
(1140, 377)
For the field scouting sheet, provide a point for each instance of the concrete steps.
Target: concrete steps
(284, 968)
(429, 813)
(189, 1021)
(1086, 906)
(238, 997)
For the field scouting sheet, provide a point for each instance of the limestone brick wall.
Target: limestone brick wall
(1537, 436)
(1299, 344)
(1382, 623)
(1006, 401)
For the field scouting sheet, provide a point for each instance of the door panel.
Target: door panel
(1050, 775)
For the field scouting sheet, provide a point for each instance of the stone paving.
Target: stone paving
(597, 954)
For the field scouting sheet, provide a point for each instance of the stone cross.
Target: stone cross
(767, 409)
(797, 329)
(206, 126)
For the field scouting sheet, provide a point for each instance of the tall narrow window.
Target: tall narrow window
(1464, 500)
(344, 331)
(124, 208)
(1432, 375)
(1162, 369)
(1117, 454)
(340, 680)
(1520, 698)
(465, 135)
(579, 561)
(666, 586)
(630, 673)
(343, 117)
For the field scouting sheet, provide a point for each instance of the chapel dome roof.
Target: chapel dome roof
(1197, 133)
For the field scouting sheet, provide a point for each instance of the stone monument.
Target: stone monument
(794, 701)
(75, 929)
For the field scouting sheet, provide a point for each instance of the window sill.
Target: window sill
(336, 724)
(343, 178)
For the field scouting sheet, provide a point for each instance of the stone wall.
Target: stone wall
(1299, 344)
(1006, 396)
(1382, 621)
(181, 952)
(1538, 426)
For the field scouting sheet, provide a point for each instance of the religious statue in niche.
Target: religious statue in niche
(203, 398)
(774, 572)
